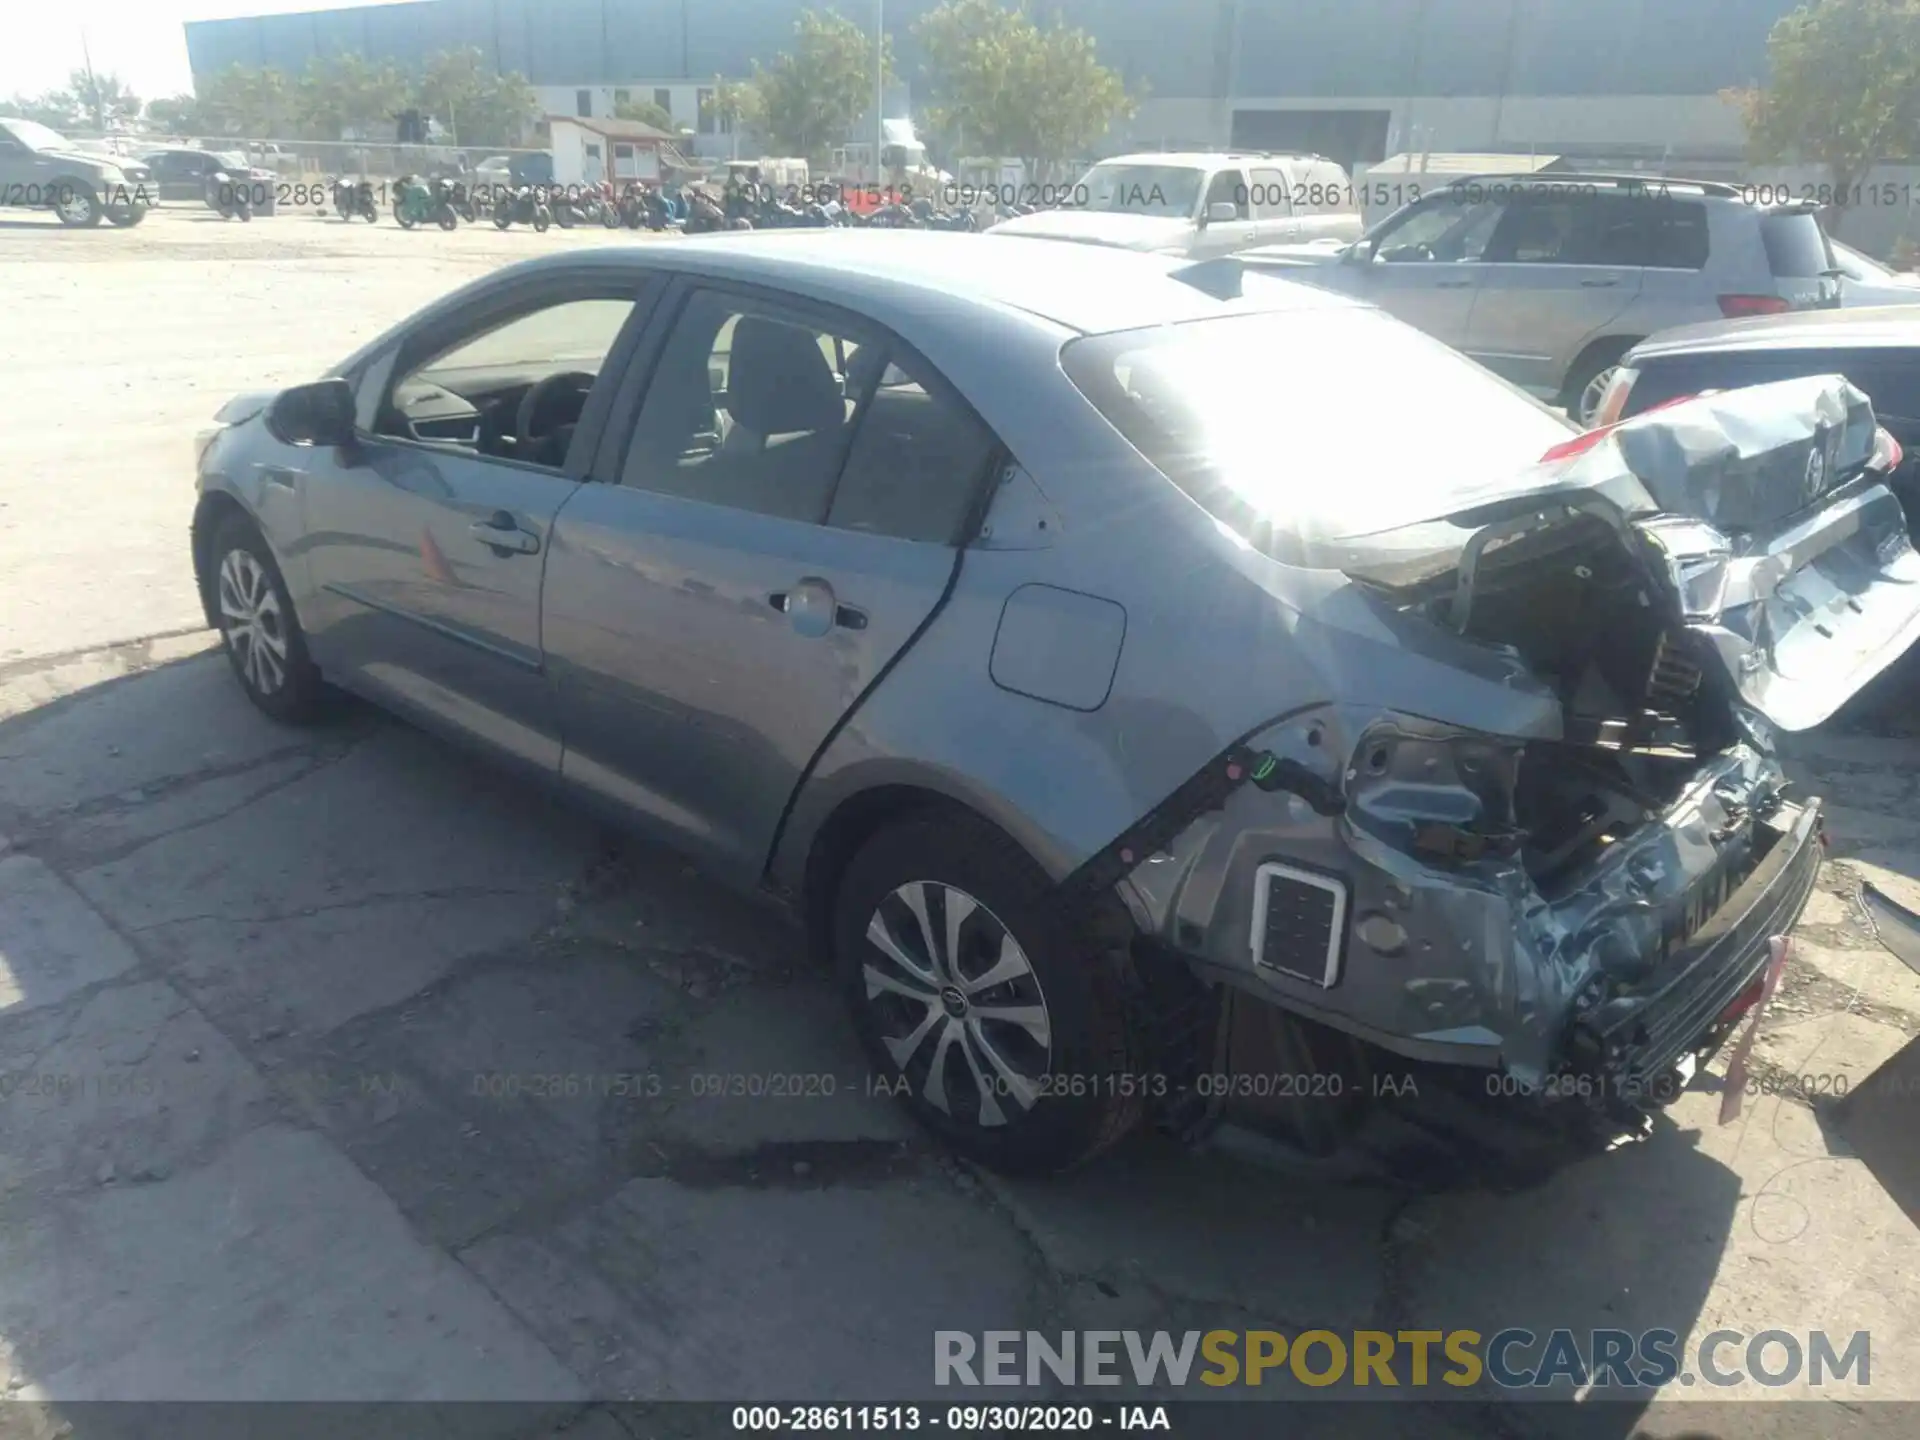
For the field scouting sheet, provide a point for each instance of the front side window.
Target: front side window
(1449, 230)
(1229, 187)
(513, 391)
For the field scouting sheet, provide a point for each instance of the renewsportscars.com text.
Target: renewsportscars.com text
(1514, 1359)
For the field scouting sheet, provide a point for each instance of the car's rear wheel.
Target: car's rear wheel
(1587, 381)
(75, 204)
(258, 626)
(1001, 1026)
(127, 216)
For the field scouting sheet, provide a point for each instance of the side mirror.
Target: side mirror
(320, 414)
(1222, 211)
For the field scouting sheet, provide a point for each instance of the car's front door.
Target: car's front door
(425, 548)
(1558, 270)
(1423, 265)
(1224, 236)
(774, 528)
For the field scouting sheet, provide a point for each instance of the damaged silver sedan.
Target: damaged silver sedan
(1157, 691)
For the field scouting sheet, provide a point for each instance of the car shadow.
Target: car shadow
(221, 847)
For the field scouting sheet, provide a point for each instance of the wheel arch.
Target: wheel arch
(215, 508)
(1612, 345)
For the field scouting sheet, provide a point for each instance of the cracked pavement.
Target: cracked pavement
(338, 1065)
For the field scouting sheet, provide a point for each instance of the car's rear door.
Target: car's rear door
(777, 513)
(425, 547)
(1562, 264)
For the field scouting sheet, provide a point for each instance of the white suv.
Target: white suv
(1198, 204)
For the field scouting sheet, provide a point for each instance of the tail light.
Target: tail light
(1736, 307)
(1615, 400)
(1580, 444)
(1887, 453)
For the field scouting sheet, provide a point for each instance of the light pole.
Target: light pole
(879, 87)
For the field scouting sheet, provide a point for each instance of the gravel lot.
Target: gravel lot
(272, 1005)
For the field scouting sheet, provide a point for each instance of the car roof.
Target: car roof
(1869, 326)
(1089, 288)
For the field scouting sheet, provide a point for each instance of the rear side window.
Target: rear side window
(1796, 245)
(1271, 200)
(917, 460)
(1676, 234)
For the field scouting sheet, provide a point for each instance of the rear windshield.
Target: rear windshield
(1318, 424)
(1796, 245)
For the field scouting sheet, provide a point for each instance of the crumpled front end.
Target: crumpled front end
(1586, 911)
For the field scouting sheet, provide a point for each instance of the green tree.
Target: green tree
(1003, 86)
(647, 113)
(176, 115)
(809, 98)
(244, 101)
(1844, 91)
(102, 100)
(477, 105)
(342, 94)
(55, 108)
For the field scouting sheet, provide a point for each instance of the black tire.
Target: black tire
(1076, 1088)
(405, 219)
(501, 221)
(446, 218)
(91, 210)
(295, 699)
(127, 216)
(1602, 357)
(541, 220)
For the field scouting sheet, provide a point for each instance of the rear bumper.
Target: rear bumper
(1633, 1045)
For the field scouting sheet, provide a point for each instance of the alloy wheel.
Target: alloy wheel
(1588, 405)
(74, 206)
(957, 1003)
(255, 627)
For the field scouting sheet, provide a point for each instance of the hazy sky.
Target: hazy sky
(139, 40)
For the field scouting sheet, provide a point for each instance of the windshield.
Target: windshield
(36, 136)
(1319, 424)
(1169, 190)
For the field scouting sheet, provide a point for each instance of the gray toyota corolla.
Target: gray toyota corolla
(1159, 690)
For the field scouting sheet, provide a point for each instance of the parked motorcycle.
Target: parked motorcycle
(415, 204)
(351, 199)
(703, 216)
(454, 193)
(231, 195)
(525, 206)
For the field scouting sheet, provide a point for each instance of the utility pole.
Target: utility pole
(93, 86)
(879, 89)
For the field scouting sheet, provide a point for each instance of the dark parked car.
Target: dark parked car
(185, 176)
(1049, 627)
(1878, 349)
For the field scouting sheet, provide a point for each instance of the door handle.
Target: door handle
(503, 533)
(1453, 284)
(1598, 284)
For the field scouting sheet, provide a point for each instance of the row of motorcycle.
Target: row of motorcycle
(440, 201)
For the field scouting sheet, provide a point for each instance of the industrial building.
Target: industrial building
(1354, 79)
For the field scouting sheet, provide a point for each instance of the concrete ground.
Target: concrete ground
(326, 1054)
